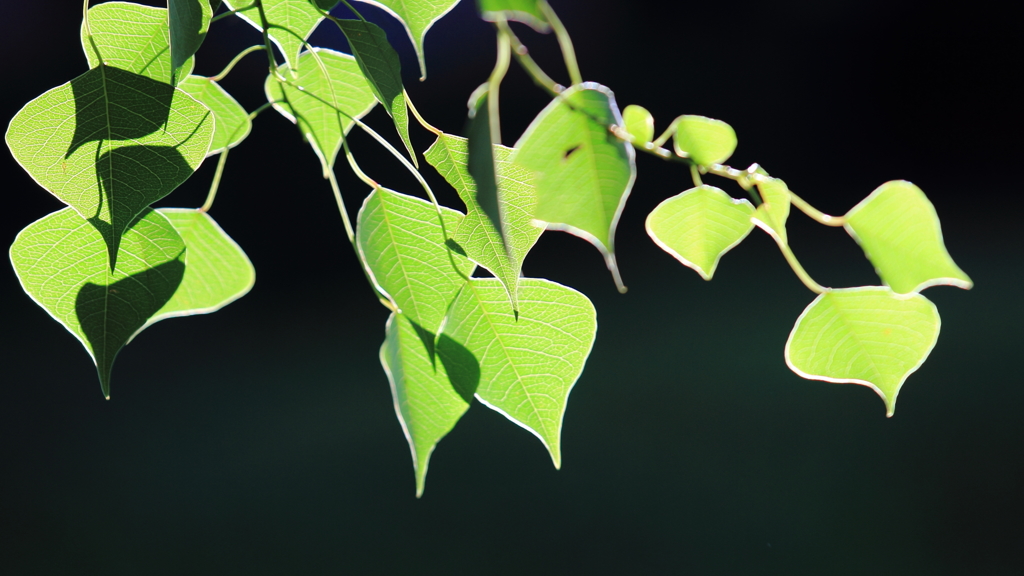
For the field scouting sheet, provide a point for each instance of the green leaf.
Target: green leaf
(401, 242)
(772, 214)
(110, 143)
(232, 121)
(899, 231)
(427, 404)
(700, 225)
(132, 37)
(704, 140)
(417, 16)
(528, 364)
(62, 264)
(383, 71)
(333, 92)
(481, 168)
(217, 272)
(477, 234)
(525, 11)
(291, 23)
(868, 336)
(189, 20)
(582, 174)
(638, 122)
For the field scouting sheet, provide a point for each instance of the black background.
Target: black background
(262, 439)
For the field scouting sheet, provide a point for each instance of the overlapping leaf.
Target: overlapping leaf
(772, 214)
(899, 230)
(189, 21)
(528, 364)
(291, 23)
(868, 336)
(110, 143)
(62, 264)
(417, 16)
(582, 175)
(323, 100)
(402, 244)
(480, 163)
(383, 71)
(525, 11)
(639, 122)
(699, 225)
(704, 140)
(477, 234)
(232, 121)
(132, 37)
(427, 404)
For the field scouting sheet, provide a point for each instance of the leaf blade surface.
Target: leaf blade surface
(417, 16)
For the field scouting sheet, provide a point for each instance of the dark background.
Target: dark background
(262, 439)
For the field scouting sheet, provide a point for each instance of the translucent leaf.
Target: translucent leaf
(297, 16)
(868, 336)
(700, 225)
(899, 230)
(232, 121)
(704, 140)
(333, 92)
(132, 37)
(477, 234)
(110, 143)
(528, 364)
(427, 404)
(379, 63)
(62, 264)
(582, 174)
(217, 272)
(401, 242)
(481, 166)
(417, 16)
(772, 214)
(525, 11)
(638, 122)
(189, 21)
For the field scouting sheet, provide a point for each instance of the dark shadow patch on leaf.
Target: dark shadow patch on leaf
(462, 366)
(455, 247)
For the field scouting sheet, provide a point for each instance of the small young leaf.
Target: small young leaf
(528, 364)
(232, 121)
(189, 21)
(582, 174)
(868, 336)
(400, 239)
(132, 37)
(477, 234)
(899, 231)
(383, 71)
(333, 92)
(700, 225)
(427, 404)
(525, 11)
(110, 143)
(704, 140)
(417, 16)
(298, 18)
(217, 272)
(772, 214)
(638, 122)
(62, 264)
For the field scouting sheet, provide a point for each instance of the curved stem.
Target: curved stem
(212, 194)
(419, 118)
(227, 69)
(798, 269)
(695, 174)
(231, 13)
(494, 84)
(522, 56)
(347, 5)
(564, 42)
(815, 214)
(266, 36)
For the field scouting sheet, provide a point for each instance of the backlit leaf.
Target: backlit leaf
(232, 121)
(528, 364)
(327, 94)
(189, 21)
(582, 173)
(868, 336)
(400, 239)
(61, 261)
(639, 123)
(427, 404)
(899, 231)
(132, 37)
(297, 16)
(772, 214)
(704, 140)
(700, 225)
(477, 234)
(417, 16)
(525, 11)
(481, 167)
(110, 143)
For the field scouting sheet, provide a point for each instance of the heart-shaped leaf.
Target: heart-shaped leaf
(232, 121)
(61, 261)
(704, 140)
(868, 336)
(417, 16)
(639, 123)
(700, 225)
(899, 230)
(132, 37)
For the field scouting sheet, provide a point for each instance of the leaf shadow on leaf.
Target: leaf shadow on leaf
(460, 364)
